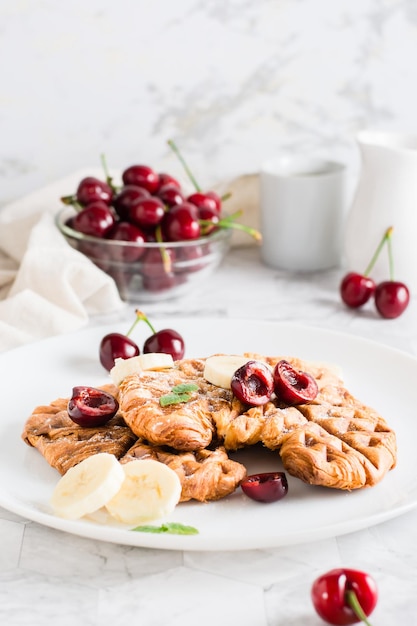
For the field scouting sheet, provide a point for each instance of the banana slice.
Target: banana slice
(150, 491)
(150, 361)
(219, 368)
(87, 486)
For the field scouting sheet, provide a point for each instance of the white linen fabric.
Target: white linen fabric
(46, 287)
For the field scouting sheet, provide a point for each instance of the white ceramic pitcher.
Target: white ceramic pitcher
(386, 195)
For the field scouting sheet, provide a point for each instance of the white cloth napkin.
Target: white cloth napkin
(46, 287)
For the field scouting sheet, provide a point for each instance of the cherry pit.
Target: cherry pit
(391, 297)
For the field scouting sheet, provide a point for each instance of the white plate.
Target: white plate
(379, 376)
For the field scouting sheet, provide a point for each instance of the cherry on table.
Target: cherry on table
(265, 487)
(96, 220)
(391, 298)
(356, 289)
(91, 407)
(253, 383)
(344, 596)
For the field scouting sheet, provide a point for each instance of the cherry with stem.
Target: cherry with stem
(356, 289)
(166, 340)
(118, 346)
(391, 296)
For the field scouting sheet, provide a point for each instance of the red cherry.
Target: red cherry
(214, 196)
(91, 189)
(91, 407)
(170, 195)
(204, 201)
(267, 487)
(166, 340)
(341, 594)
(356, 289)
(293, 386)
(181, 223)
(253, 383)
(391, 298)
(156, 262)
(125, 231)
(141, 176)
(126, 197)
(147, 212)
(96, 219)
(156, 284)
(210, 220)
(116, 346)
(167, 179)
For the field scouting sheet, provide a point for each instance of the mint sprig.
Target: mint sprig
(179, 393)
(171, 528)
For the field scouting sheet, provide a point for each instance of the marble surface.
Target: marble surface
(233, 82)
(49, 577)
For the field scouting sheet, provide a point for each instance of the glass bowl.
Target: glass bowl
(150, 272)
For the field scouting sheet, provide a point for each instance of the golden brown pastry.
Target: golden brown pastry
(182, 426)
(64, 444)
(204, 474)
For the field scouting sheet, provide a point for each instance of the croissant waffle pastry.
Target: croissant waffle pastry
(205, 474)
(336, 441)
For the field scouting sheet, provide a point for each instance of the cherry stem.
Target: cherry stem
(166, 259)
(390, 256)
(109, 179)
(190, 175)
(141, 317)
(72, 201)
(229, 222)
(353, 602)
(226, 196)
(385, 238)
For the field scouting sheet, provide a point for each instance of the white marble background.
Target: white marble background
(232, 81)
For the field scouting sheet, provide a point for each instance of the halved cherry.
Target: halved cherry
(253, 383)
(91, 407)
(293, 386)
(266, 487)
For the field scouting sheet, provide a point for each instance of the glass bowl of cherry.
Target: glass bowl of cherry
(153, 239)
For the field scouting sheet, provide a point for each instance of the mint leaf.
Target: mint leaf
(172, 528)
(173, 398)
(185, 388)
(179, 393)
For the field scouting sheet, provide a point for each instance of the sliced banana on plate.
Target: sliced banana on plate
(150, 491)
(87, 486)
(219, 368)
(136, 364)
